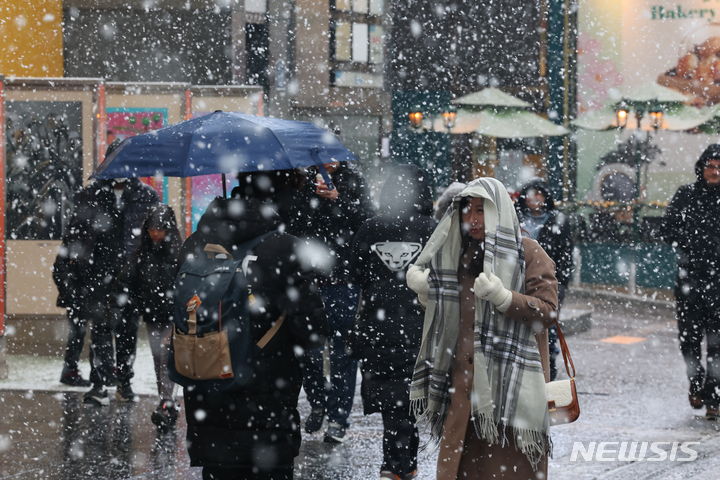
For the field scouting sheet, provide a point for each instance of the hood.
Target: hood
(499, 213)
(713, 151)
(161, 217)
(540, 187)
(499, 208)
(232, 221)
(406, 191)
(446, 198)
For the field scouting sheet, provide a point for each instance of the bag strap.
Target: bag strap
(213, 249)
(569, 365)
(271, 333)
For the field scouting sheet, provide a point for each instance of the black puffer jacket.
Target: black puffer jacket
(691, 225)
(99, 240)
(260, 420)
(333, 222)
(387, 334)
(556, 235)
(150, 274)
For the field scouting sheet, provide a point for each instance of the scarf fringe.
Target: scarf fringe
(531, 443)
(485, 428)
(433, 421)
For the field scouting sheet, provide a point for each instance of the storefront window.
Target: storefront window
(44, 167)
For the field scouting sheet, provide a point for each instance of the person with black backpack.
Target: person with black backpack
(249, 290)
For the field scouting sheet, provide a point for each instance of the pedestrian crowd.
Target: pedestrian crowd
(448, 307)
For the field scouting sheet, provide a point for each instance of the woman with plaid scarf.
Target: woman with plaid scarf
(479, 379)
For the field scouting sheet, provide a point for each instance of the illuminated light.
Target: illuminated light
(416, 119)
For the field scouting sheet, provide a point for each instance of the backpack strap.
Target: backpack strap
(271, 333)
(213, 249)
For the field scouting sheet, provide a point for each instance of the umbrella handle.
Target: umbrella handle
(321, 169)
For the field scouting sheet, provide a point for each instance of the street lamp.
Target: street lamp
(621, 114)
(640, 149)
(419, 121)
(656, 117)
(416, 119)
(449, 117)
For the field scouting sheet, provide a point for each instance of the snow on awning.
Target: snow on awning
(491, 97)
(503, 124)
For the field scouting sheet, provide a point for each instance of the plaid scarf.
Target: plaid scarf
(508, 391)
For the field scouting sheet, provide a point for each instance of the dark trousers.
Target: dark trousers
(76, 339)
(221, 473)
(697, 320)
(400, 441)
(125, 331)
(100, 317)
(336, 398)
(108, 324)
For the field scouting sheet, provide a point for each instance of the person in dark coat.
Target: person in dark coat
(331, 216)
(253, 431)
(691, 226)
(150, 277)
(553, 230)
(102, 234)
(388, 328)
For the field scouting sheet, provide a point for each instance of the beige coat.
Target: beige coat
(462, 455)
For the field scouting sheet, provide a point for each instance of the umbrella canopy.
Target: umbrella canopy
(491, 97)
(504, 124)
(224, 142)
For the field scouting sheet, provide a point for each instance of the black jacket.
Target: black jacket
(691, 225)
(388, 330)
(333, 222)
(149, 275)
(555, 236)
(236, 425)
(99, 239)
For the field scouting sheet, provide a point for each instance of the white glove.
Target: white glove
(417, 281)
(489, 287)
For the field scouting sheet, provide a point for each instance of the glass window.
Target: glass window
(377, 7)
(44, 167)
(360, 6)
(342, 42)
(376, 44)
(256, 6)
(357, 49)
(343, 5)
(360, 42)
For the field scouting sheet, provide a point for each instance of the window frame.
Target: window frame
(352, 17)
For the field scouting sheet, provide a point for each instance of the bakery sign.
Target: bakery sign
(682, 12)
(674, 43)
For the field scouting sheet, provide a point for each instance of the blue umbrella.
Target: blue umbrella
(224, 142)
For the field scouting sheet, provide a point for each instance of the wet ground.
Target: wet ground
(630, 378)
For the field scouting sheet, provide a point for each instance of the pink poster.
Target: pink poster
(128, 122)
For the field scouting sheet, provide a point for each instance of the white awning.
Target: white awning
(503, 124)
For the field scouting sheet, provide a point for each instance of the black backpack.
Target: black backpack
(211, 344)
